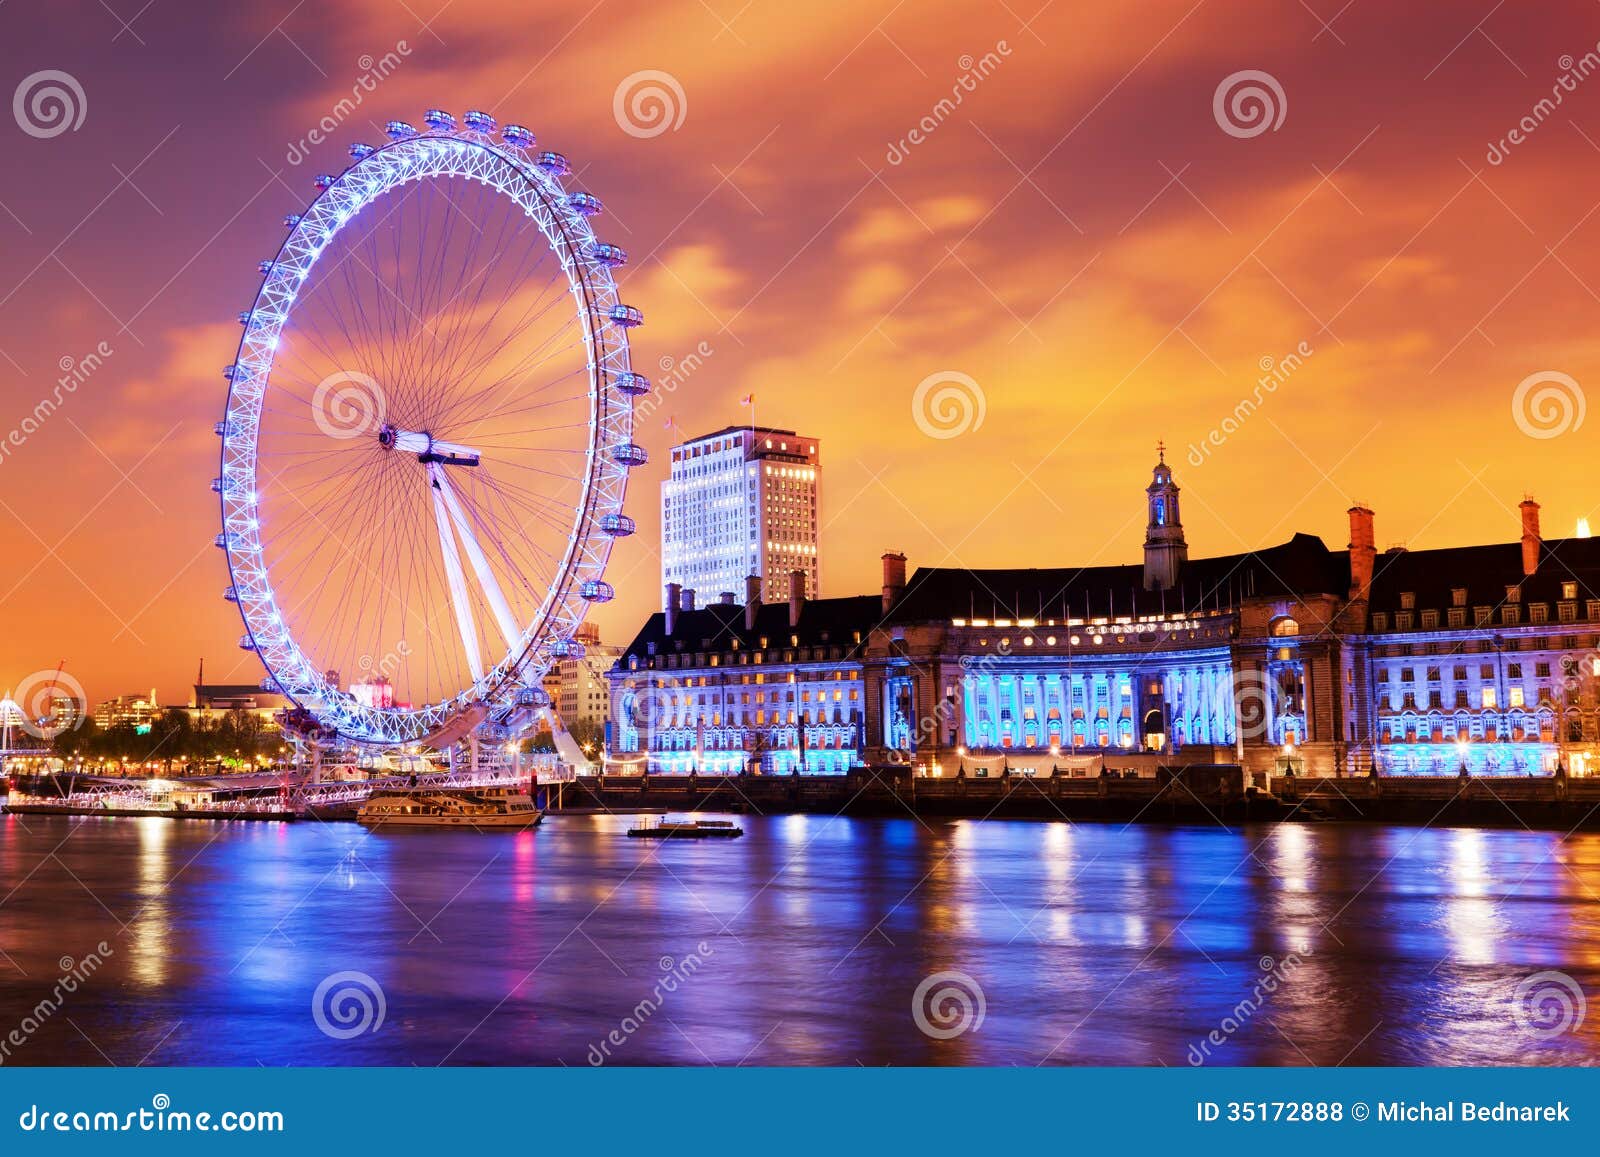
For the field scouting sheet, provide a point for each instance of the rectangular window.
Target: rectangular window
(1488, 697)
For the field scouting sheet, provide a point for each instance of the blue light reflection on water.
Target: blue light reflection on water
(1092, 944)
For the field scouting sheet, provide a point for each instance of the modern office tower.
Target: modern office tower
(740, 501)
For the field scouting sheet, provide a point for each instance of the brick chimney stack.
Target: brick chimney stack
(688, 600)
(1363, 552)
(894, 579)
(752, 600)
(797, 596)
(1530, 535)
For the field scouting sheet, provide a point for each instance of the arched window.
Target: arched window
(1283, 627)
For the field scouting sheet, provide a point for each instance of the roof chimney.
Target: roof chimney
(674, 594)
(752, 600)
(797, 595)
(1530, 535)
(894, 579)
(1363, 552)
(726, 599)
(688, 600)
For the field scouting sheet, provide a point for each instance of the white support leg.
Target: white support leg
(480, 563)
(453, 572)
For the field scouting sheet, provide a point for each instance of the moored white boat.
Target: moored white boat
(473, 807)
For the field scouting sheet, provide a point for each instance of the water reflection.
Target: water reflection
(802, 943)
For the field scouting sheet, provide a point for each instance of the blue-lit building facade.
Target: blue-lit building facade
(1290, 658)
(752, 686)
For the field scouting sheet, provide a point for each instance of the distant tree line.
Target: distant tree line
(176, 740)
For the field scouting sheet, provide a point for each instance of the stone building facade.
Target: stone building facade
(1289, 658)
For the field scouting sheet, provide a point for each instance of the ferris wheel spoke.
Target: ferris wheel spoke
(513, 387)
(469, 368)
(461, 315)
(552, 345)
(542, 300)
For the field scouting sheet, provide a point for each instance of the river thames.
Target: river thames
(805, 942)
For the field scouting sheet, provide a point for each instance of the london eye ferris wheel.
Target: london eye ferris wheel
(428, 435)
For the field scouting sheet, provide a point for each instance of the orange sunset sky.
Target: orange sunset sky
(1080, 237)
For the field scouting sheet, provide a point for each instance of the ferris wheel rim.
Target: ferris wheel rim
(602, 320)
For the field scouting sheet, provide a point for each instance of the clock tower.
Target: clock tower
(1165, 551)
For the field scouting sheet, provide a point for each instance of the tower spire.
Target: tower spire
(1165, 550)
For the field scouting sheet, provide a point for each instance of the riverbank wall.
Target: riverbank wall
(1196, 794)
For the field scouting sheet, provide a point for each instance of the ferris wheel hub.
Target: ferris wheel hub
(427, 448)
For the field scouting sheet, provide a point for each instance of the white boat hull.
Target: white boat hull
(517, 820)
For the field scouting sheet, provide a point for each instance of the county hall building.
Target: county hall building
(1290, 658)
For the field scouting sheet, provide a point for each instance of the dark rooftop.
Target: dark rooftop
(1303, 565)
(1485, 572)
(823, 622)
